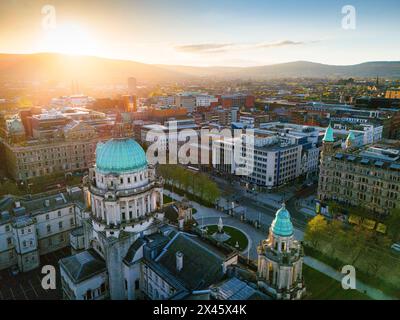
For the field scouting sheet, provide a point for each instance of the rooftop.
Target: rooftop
(235, 289)
(379, 155)
(12, 207)
(83, 265)
(202, 266)
(120, 156)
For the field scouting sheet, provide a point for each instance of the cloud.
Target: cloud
(223, 47)
(204, 48)
(280, 44)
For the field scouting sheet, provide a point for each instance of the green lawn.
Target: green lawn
(236, 235)
(322, 287)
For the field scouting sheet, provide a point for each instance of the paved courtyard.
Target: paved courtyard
(27, 286)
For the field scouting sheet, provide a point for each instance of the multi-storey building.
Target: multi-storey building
(277, 158)
(72, 151)
(392, 94)
(378, 114)
(236, 100)
(218, 115)
(367, 177)
(165, 135)
(187, 101)
(33, 226)
(204, 100)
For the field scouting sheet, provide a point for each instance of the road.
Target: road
(264, 203)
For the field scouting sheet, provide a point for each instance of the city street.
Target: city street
(267, 203)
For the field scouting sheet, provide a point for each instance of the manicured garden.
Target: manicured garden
(235, 236)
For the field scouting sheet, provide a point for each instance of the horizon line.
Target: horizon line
(191, 66)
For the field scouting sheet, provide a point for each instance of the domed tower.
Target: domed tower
(280, 260)
(124, 192)
(123, 198)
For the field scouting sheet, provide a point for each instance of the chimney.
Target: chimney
(179, 261)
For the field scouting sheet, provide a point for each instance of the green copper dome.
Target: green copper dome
(328, 137)
(120, 156)
(282, 226)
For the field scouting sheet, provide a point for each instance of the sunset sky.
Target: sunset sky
(204, 33)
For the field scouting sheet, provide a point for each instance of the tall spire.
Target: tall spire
(328, 137)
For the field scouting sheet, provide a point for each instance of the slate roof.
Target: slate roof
(202, 266)
(83, 265)
(35, 205)
(133, 249)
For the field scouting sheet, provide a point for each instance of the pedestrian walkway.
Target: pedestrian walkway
(334, 274)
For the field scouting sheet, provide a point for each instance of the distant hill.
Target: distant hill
(389, 69)
(52, 66)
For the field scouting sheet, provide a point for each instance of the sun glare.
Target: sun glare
(69, 39)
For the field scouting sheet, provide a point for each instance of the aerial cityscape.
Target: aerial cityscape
(187, 150)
